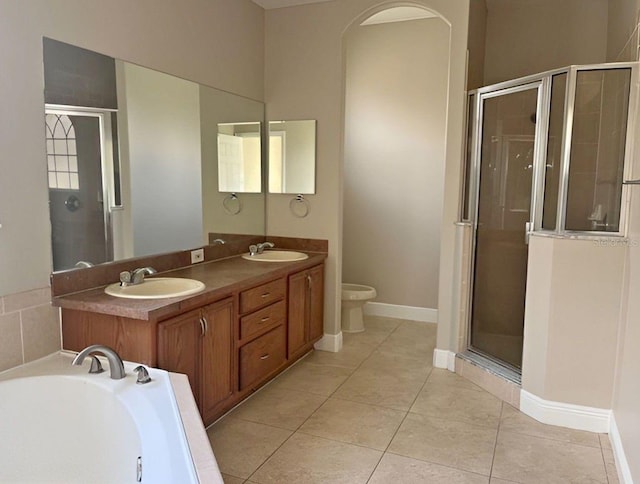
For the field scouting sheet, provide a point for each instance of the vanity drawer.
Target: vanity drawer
(256, 322)
(262, 356)
(261, 295)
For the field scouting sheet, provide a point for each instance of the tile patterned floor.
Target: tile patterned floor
(377, 412)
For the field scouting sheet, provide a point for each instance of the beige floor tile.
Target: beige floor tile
(381, 323)
(495, 480)
(318, 379)
(605, 442)
(279, 407)
(307, 459)
(399, 469)
(411, 339)
(351, 356)
(231, 479)
(457, 403)
(610, 466)
(447, 442)
(241, 447)
(446, 377)
(529, 459)
(513, 420)
(376, 387)
(354, 423)
(397, 362)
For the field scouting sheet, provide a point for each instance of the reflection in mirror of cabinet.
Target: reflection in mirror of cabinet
(239, 158)
(164, 136)
(292, 157)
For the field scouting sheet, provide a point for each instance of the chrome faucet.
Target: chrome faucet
(259, 248)
(116, 366)
(82, 264)
(265, 245)
(136, 276)
(218, 242)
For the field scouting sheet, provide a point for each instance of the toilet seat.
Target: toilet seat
(357, 292)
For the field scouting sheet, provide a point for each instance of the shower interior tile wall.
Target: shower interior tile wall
(29, 327)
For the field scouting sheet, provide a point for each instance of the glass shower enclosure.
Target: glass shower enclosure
(546, 154)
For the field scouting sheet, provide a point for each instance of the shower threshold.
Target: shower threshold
(492, 366)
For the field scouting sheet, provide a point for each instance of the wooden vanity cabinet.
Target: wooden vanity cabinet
(262, 346)
(199, 344)
(305, 310)
(227, 347)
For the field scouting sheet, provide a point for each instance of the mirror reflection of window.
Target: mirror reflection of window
(292, 157)
(239, 158)
(277, 144)
(62, 161)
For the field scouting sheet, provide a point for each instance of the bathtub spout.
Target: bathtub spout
(116, 366)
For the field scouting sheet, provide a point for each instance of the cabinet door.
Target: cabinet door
(179, 341)
(297, 313)
(315, 286)
(217, 356)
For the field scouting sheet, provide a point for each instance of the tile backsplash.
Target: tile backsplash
(29, 327)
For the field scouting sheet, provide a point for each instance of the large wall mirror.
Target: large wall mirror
(133, 159)
(292, 157)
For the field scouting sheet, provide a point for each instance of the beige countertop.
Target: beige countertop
(221, 278)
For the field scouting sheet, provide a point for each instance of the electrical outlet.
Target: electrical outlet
(197, 256)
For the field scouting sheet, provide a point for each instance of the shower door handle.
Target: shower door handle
(527, 231)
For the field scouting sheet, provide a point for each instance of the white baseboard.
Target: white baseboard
(622, 464)
(565, 414)
(426, 315)
(330, 342)
(444, 359)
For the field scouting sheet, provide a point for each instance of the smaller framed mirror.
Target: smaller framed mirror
(292, 157)
(239, 158)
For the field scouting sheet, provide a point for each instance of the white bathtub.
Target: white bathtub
(60, 424)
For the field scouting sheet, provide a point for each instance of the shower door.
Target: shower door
(76, 189)
(505, 155)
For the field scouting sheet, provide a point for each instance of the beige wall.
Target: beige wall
(304, 79)
(190, 39)
(622, 45)
(395, 121)
(530, 36)
(476, 43)
(574, 294)
(622, 31)
(221, 107)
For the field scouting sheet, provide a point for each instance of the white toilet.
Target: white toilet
(354, 297)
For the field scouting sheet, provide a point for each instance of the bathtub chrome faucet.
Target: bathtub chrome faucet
(116, 366)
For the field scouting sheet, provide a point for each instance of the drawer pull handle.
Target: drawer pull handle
(264, 357)
(266, 318)
(202, 328)
(266, 294)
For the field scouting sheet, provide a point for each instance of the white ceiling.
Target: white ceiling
(269, 4)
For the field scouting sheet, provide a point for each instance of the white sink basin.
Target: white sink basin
(277, 256)
(156, 288)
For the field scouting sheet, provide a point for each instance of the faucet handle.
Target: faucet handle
(143, 375)
(96, 366)
(253, 249)
(125, 278)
